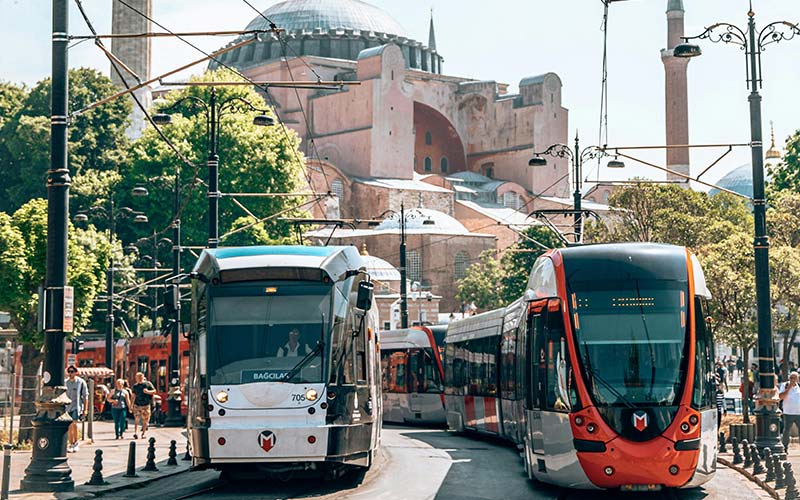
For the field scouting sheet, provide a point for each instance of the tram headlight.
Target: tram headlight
(693, 420)
(311, 395)
(222, 397)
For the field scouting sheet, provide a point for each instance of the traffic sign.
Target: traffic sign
(72, 360)
(69, 302)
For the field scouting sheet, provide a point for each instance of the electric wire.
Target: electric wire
(264, 88)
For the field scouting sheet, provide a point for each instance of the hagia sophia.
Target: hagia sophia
(454, 151)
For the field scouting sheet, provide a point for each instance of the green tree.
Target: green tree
(23, 246)
(728, 268)
(96, 138)
(518, 260)
(483, 283)
(12, 97)
(252, 159)
(785, 176)
(783, 219)
(670, 214)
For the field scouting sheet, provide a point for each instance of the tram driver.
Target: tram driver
(294, 346)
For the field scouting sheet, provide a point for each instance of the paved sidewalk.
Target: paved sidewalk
(115, 459)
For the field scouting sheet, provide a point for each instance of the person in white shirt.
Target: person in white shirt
(293, 347)
(790, 395)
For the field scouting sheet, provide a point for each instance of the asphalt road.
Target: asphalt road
(417, 463)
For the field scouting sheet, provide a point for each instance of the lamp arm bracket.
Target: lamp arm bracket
(777, 32)
(731, 34)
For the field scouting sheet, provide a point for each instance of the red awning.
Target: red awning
(95, 372)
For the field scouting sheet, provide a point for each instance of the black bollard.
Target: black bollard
(131, 471)
(172, 453)
(748, 460)
(97, 475)
(737, 452)
(722, 447)
(187, 455)
(791, 484)
(150, 466)
(758, 467)
(770, 461)
(780, 483)
(6, 471)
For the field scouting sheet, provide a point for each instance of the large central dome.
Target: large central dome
(308, 15)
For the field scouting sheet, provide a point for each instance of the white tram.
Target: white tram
(284, 373)
(413, 375)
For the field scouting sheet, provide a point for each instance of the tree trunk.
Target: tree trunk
(745, 386)
(31, 359)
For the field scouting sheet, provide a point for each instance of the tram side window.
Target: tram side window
(394, 371)
(509, 364)
(360, 345)
(431, 378)
(482, 355)
(704, 393)
(561, 392)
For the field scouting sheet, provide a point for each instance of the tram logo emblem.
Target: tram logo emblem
(266, 440)
(640, 420)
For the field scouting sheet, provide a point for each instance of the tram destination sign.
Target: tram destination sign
(250, 376)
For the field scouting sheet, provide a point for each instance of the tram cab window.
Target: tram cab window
(393, 365)
(704, 393)
(553, 382)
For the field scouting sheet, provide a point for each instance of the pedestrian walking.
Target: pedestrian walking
(78, 393)
(722, 377)
(120, 402)
(143, 392)
(789, 393)
(720, 405)
(731, 367)
(739, 366)
(129, 410)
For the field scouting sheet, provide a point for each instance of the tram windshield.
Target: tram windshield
(631, 337)
(262, 333)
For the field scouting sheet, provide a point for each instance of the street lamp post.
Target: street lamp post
(214, 110)
(48, 470)
(753, 43)
(111, 213)
(403, 271)
(577, 157)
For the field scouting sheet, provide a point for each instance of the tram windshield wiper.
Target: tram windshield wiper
(300, 364)
(595, 376)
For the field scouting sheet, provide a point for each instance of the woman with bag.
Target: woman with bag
(120, 401)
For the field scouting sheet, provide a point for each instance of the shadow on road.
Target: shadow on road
(485, 468)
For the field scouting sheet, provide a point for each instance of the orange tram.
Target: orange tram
(148, 354)
(602, 373)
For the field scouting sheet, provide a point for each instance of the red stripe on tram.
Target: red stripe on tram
(490, 414)
(469, 411)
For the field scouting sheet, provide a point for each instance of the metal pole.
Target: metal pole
(576, 196)
(213, 174)
(13, 390)
(174, 402)
(403, 291)
(154, 310)
(767, 414)
(6, 471)
(91, 412)
(110, 289)
(48, 470)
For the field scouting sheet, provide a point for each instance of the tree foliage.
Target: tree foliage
(252, 159)
(96, 138)
(785, 176)
(518, 260)
(483, 283)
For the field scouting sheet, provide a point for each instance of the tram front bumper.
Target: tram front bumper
(263, 444)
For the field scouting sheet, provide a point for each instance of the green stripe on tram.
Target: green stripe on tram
(227, 253)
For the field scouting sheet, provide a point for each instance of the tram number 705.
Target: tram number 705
(298, 397)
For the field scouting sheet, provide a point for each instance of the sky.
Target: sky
(505, 41)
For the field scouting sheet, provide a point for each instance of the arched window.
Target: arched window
(511, 200)
(337, 188)
(443, 165)
(428, 164)
(461, 264)
(428, 139)
(414, 266)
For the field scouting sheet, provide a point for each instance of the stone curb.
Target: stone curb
(86, 491)
(764, 486)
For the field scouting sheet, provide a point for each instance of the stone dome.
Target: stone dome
(309, 15)
(333, 29)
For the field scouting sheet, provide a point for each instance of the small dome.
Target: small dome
(308, 15)
(379, 269)
(425, 220)
(739, 180)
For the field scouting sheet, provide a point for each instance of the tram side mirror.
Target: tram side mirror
(364, 300)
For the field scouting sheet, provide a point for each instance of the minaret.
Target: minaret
(431, 35)
(676, 95)
(134, 53)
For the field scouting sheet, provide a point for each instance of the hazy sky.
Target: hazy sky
(506, 40)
